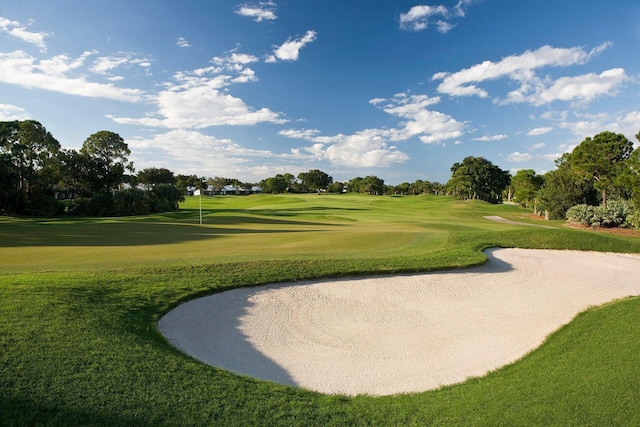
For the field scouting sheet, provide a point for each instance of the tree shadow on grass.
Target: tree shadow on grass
(25, 412)
(127, 232)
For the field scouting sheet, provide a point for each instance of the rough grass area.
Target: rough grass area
(79, 300)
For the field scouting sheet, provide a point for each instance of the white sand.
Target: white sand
(387, 335)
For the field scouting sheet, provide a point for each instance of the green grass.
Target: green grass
(79, 300)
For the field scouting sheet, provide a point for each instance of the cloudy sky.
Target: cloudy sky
(398, 89)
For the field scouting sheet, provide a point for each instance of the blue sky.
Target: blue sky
(397, 89)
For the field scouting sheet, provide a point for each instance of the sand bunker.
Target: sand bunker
(387, 335)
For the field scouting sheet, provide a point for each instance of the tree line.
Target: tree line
(39, 178)
(597, 183)
(602, 172)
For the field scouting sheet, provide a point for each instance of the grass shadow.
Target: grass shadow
(125, 232)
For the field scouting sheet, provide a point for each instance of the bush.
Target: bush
(580, 214)
(98, 205)
(615, 214)
(634, 220)
(44, 206)
(132, 201)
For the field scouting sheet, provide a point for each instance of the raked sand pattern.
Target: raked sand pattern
(409, 333)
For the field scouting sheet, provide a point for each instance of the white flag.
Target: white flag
(196, 193)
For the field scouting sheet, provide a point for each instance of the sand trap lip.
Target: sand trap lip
(508, 221)
(409, 333)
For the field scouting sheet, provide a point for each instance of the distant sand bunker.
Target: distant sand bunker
(410, 333)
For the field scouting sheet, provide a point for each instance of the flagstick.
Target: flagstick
(200, 197)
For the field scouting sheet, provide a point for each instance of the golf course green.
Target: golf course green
(80, 299)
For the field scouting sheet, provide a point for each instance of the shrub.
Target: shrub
(132, 201)
(615, 214)
(634, 220)
(580, 214)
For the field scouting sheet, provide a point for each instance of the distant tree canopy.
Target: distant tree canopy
(314, 180)
(369, 185)
(183, 182)
(276, 184)
(155, 176)
(478, 178)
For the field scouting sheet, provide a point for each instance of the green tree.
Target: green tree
(354, 185)
(421, 187)
(336, 187)
(563, 189)
(437, 188)
(630, 177)
(373, 185)
(478, 178)
(76, 176)
(108, 156)
(155, 176)
(274, 185)
(164, 198)
(186, 182)
(314, 180)
(402, 188)
(525, 187)
(28, 155)
(9, 185)
(601, 159)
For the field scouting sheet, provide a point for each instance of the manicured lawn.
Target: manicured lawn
(79, 299)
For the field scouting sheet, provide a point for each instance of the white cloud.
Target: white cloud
(10, 112)
(200, 154)
(582, 125)
(290, 50)
(104, 65)
(235, 61)
(539, 131)
(263, 11)
(518, 157)
(19, 31)
(182, 42)
(197, 99)
(582, 88)
(308, 134)
(107, 63)
(53, 74)
(417, 18)
(491, 138)
(459, 9)
(374, 147)
(430, 126)
(537, 146)
(367, 148)
(520, 68)
(420, 17)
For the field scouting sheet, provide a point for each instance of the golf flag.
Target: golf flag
(197, 193)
